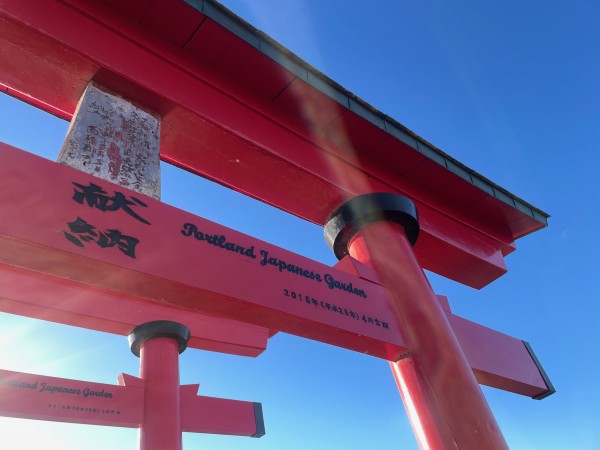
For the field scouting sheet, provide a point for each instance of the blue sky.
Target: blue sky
(508, 88)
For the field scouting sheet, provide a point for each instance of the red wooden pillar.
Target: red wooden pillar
(158, 344)
(443, 400)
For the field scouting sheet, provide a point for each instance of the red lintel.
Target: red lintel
(34, 294)
(499, 360)
(201, 414)
(29, 396)
(251, 131)
(150, 251)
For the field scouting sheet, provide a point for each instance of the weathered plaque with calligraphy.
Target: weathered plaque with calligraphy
(115, 140)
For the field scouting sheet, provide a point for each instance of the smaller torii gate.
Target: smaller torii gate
(155, 402)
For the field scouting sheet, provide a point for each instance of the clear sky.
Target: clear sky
(508, 88)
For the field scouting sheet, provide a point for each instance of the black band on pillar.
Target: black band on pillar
(158, 328)
(365, 209)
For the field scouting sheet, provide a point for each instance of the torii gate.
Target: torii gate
(331, 159)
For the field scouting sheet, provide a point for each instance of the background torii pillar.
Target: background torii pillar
(444, 402)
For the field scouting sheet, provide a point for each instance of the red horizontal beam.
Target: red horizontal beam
(35, 102)
(499, 360)
(32, 294)
(235, 136)
(83, 251)
(29, 396)
(201, 414)
(143, 248)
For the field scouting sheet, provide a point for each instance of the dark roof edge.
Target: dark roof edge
(336, 92)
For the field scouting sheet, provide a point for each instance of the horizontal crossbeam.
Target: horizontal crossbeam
(30, 396)
(214, 125)
(66, 259)
(81, 229)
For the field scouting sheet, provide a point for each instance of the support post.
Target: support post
(444, 402)
(158, 345)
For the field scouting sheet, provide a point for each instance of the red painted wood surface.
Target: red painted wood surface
(134, 403)
(498, 360)
(33, 294)
(268, 286)
(298, 150)
(201, 414)
(159, 369)
(211, 415)
(444, 403)
(179, 278)
(30, 396)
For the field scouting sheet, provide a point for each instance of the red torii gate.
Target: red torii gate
(283, 119)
